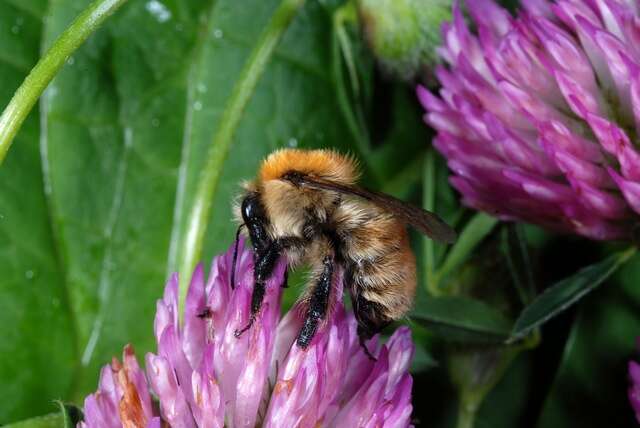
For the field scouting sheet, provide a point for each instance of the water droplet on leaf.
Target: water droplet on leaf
(158, 10)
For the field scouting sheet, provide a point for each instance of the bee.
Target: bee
(305, 205)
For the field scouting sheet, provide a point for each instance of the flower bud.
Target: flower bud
(403, 34)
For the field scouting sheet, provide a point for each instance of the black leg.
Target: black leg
(235, 258)
(265, 262)
(371, 320)
(265, 252)
(370, 316)
(318, 303)
(255, 219)
(263, 268)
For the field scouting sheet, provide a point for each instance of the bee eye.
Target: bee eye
(251, 208)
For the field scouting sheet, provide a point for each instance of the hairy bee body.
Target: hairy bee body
(304, 205)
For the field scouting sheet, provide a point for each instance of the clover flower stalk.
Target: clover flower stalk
(538, 114)
(205, 376)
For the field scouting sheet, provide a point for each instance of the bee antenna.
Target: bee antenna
(235, 257)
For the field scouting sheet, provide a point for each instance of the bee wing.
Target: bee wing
(423, 221)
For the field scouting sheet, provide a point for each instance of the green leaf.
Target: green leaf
(110, 125)
(590, 386)
(49, 65)
(124, 129)
(34, 369)
(565, 293)
(460, 319)
(53, 420)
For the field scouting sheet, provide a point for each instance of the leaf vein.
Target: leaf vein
(105, 284)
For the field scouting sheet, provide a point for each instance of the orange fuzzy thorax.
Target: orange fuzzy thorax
(327, 164)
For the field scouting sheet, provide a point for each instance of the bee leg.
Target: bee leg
(235, 257)
(255, 218)
(366, 351)
(370, 317)
(318, 303)
(265, 252)
(265, 262)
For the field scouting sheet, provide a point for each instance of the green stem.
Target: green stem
(429, 202)
(341, 48)
(46, 69)
(472, 396)
(219, 149)
(474, 232)
(466, 415)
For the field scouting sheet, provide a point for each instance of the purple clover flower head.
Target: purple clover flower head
(538, 114)
(205, 376)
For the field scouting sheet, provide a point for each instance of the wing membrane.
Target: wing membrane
(423, 221)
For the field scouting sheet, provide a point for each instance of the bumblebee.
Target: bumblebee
(305, 205)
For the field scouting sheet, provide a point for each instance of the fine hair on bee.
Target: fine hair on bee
(306, 205)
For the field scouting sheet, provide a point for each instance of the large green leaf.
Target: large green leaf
(112, 125)
(124, 129)
(35, 368)
(563, 294)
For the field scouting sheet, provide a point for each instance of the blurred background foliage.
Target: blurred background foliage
(94, 195)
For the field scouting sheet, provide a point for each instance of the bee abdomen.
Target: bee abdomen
(388, 278)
